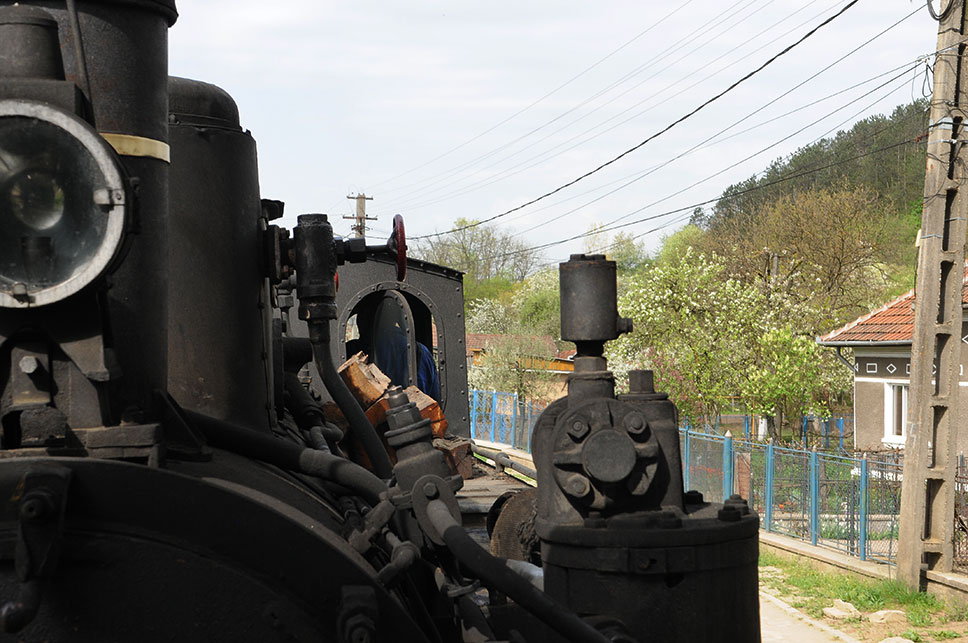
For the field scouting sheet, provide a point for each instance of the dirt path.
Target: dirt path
(780, 623)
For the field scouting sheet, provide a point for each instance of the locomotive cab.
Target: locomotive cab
(410, 329)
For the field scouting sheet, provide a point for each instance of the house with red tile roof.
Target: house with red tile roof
(881, 345)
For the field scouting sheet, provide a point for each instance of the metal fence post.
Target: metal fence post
(814, 496)
(840, 427)
(826, 433)
(746, 427)
(686, 459)
(863, 507)
(727, 466)
(494, 416)
(768, 496)
(474, 414)
(515, 434)
(529, 413)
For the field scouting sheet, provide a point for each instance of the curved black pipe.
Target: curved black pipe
(379, 458)
(307, 412)
(504, 460)
(287, 455)
(17, 614)
(494, 572)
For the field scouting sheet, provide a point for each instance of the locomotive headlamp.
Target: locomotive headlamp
(62, 204)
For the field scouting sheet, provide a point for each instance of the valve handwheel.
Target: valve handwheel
(398, 245)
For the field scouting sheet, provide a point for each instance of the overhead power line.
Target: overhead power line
(692, 207)
(412, 199)
(417, 188)
(664, 129)
(553, 91)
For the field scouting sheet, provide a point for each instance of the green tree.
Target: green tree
(514, 363)
(782, 378)
(481, 252)
(711, 337)
(819, 247)
(527, 328)
(628, 254)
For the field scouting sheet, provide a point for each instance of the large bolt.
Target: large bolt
(635, 423)
(29, 364)
(578, 486)
(578, 429)
(430, 490)
(359, 629)
(35, 506)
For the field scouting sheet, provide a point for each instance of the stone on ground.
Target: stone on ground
(841, 610)
(889, 616)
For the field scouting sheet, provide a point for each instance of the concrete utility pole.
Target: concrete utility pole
(926, 537)
(360, 226)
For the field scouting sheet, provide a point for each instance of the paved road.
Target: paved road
(780, 623)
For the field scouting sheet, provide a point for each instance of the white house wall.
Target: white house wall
(876, 368)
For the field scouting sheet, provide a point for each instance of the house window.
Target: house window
(895, 413)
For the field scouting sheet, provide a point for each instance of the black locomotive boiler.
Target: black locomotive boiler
(165, 472)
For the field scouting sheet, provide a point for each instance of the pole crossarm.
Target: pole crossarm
(926, 537)
(359, 228)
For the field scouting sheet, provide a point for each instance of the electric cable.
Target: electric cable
(668, 127)
(745, 159)
(408, 197)
(693, 206)
(774, 100)
(410, 200)
(539, 100)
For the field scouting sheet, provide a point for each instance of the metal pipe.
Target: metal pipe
(503, 460)
(287, 455)
(18, 613)
(493, 571)
(307, 412)
(379, 458)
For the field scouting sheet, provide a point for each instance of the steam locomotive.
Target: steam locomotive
(167, 474)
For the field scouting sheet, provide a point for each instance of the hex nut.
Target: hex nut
(635, 423)
(578, 429)
(29, 364)
(578, 486)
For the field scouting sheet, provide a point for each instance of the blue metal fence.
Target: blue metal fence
(502, 417)
(850, 504)
(827, 497)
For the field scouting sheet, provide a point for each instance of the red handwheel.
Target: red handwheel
(398, 244)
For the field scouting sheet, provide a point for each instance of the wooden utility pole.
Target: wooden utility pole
(926, 537)
(360, 226)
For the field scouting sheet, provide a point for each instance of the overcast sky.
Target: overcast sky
(440, 110)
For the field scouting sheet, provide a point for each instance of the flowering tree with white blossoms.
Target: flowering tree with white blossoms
(710, 338)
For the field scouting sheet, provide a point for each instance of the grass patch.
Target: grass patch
(944, 635)
(816, 590)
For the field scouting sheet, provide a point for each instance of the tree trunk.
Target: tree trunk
(772, 428)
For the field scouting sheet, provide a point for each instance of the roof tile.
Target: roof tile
(892, 322)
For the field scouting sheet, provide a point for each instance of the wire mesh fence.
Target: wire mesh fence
(883, 507)
(789, 495)
(826, 497)
(850, 504)
(961, 516)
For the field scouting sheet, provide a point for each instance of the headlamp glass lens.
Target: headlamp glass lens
(37, 199)
(50, 223)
